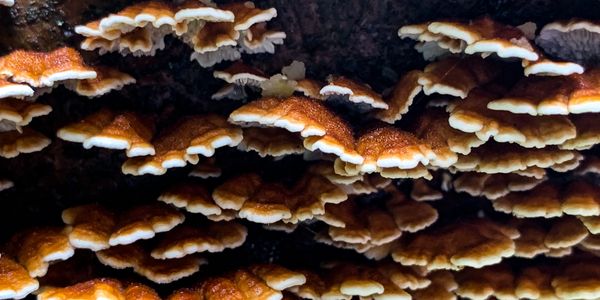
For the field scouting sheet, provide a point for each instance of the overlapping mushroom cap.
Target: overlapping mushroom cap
(41, 69)
(9, 89)
(345, 280)
(421, 190)
(182, 142)
(241, 74)
(484, 36)
(216, 34)
(492, 281)
(107, 79)
(457, 76)
(494, 186)
(36, 248)
(143, 222)
(509, 158)
(137, 258)
(155, 17)
(401, 98)
(357, 93)
(548, 200)
(472, 115)
(194, 198)
(90, 226)
(21, 112)
(250, 197)
(96, 228)
(218, 41)
(364, 228)
(189, 239)
(104, 288)
(588, 134)
(13, 143)
(259, 39)
(271, 142)
(560, 95)
(385, 149)
(107, 129)
(321, 129)
(15, 281)
(474, 243)
(446, 142)
(553, 240)
(266, 281)
(442, 287)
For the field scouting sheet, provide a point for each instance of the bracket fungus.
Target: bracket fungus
(13, 143)
(9, 89)
(401, 98)
(475, 243)
(475, 175)
(494, 186)
(345, 280)
(352, 224)
(457, 76)
(189, 239)
(357, 93)
(101, 287)
(107, 129)
(107, 79)
(215, 33)
(385, 149)
(422, 191)
(15, 281)
(491, 281)
(321, 129)
(182, 142)
(550, 200)
(264, 202)
(36, 248)
(275, 142)
(143, 222)
(266, 281)
(561, 95)
(494, 158)
(159, 271)
(442, 287)
(89, 226)
(484, 36)
(44, 69)
(21, 112)
(471, 115)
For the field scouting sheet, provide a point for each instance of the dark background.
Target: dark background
(354, 38)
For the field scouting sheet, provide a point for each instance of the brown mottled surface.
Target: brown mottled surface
(354, 38)
(32, 67)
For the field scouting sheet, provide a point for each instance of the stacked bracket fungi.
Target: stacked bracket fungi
(24, 75)
(479, 134)
(215, 33)
(484, 37)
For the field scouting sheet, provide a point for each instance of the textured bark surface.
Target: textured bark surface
(348, 37)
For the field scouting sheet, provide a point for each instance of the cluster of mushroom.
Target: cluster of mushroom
(479, 134)
(25, 75)
(215, 33)
(154, 240)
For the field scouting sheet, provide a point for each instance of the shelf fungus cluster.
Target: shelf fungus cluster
(215, 33)
(445, 185)
(25, 75)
